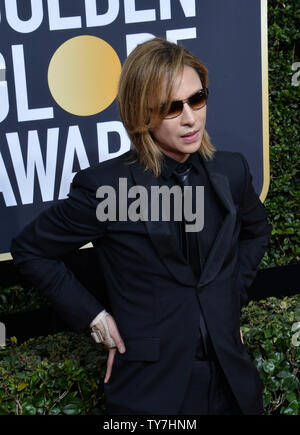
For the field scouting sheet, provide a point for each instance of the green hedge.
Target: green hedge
(58, 374)
(61, 374)
(271, 330)
(282, 202)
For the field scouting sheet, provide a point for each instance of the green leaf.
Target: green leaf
(29, 409)
(287, 411)
(54, 411)
(283, 374)
(267, 398)
(72, 409)
(294, 405)
(269, 366)
(40, 402)
(22, 386)
(290, 383)
(273, 384)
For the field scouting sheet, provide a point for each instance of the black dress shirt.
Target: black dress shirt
(212, 207)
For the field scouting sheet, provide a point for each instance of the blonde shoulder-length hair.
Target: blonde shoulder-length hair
(140, 90)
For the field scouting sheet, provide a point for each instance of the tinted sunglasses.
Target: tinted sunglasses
(195, 101)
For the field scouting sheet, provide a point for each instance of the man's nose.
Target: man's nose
(187, 115)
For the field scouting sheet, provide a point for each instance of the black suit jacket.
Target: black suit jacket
(153, 292)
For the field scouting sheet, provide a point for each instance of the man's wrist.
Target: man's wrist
(98, 318)
(100, 331)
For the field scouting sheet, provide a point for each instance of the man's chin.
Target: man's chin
(184, 154)
(190, 149)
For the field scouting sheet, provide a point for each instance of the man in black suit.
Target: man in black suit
(175, 290)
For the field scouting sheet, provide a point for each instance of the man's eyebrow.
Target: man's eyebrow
(195, 92)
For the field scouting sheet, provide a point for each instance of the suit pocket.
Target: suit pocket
(140, 349)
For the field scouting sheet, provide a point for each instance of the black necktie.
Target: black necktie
(189, 240)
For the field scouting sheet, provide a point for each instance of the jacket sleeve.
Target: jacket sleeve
(254, 235)
(36, 251)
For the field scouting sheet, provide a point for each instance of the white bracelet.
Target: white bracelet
(100, 331)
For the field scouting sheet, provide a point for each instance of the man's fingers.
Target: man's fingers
(241, 336)
(114, 332)
(110, 361)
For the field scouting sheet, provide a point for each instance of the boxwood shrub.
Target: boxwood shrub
(271, 330)
(57, 374)
(282, 202)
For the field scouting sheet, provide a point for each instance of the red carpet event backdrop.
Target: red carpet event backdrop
(59, 67)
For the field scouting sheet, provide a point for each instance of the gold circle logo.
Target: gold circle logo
(83, 75)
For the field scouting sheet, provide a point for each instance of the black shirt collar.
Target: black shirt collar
(169, 164)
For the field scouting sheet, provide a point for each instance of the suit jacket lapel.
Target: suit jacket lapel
(218, 251)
